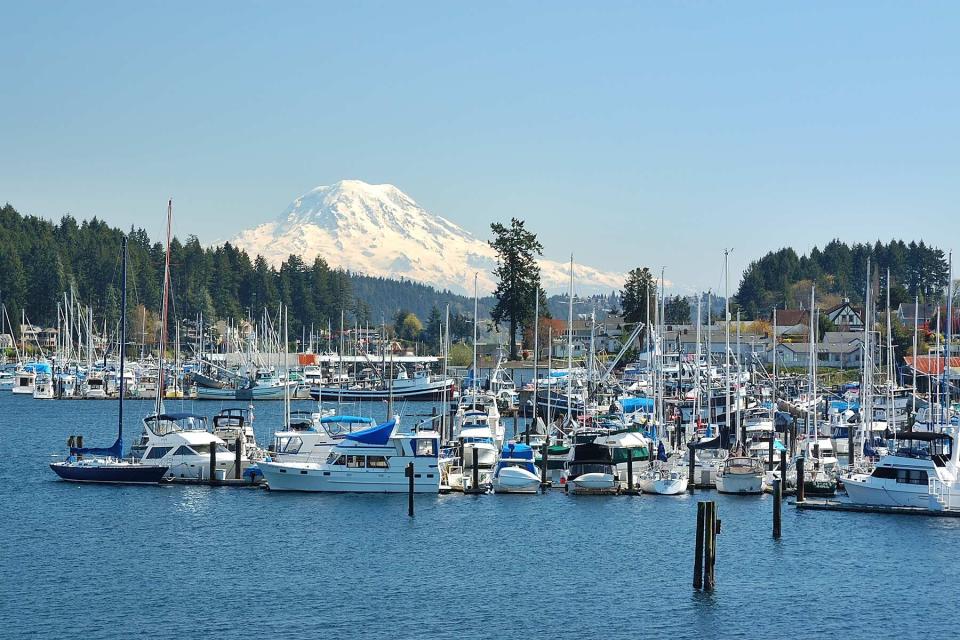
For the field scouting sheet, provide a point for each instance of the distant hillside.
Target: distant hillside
(40, 260)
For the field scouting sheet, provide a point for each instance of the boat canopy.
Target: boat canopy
(517, 450)
(706, 443)
(115, 450)
(923, 436)
(636, 404)
(346, 419)
(378, 435)
(177, 416)
(624, 439)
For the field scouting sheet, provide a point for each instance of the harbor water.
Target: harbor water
(117, 562)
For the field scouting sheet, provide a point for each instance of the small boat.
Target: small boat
(373, 460)
(741, 475)
(515, 472)
(108, 466)
(665, 480)
(591, 471)
(43, 386)
(96, 386)
(23, 379)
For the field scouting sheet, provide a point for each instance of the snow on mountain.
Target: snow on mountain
(378, 230)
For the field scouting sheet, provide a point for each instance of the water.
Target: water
(195, 562)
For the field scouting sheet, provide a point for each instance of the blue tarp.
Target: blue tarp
(517, 450)
(661, 452)
(378, 435)
(115, 451)
(636, 404)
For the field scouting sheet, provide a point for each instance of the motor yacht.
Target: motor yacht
(515, 471)
(741, 475)
(591, 470)
(181, 442)
(373, 460)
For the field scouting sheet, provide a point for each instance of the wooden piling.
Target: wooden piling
(777, 499)
(410, 476)
(710, 546)
(698, 547)
(770, 451)
(476, 472)
(631, 489)
(515, 421)
(692, 473)
(213, 463)
(544, 463)
(800, 496)
(237, 470)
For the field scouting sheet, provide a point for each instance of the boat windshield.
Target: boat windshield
(477, 440)
(590, 467)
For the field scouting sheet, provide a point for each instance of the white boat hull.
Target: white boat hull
(668, 487)
(746, 484)
(312, 477)
(515, 480)
(593, 483)
(886, 493)
(486, 456)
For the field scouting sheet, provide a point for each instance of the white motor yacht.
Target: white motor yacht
(741, 475)
(181, 442)
(311, 436)
(43, 386)
(373, 460)
(591, 470)
(904, 478)
(23, 380)
(96, 386)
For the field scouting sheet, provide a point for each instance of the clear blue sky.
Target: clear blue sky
(629, 133)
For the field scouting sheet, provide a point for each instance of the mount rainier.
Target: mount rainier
(378, 230)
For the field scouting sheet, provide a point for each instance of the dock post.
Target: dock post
(850, 446)
(516, 418)
(770, 452)
(783, 472)
(698, 548)
(409, 474)
(710, 546)
(476, 471)
(544, 463)
(800, 492)
(777, 496)
(213, 463)
(630, 486)
(692, 473)
(237, 471)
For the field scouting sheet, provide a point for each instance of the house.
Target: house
(924, 313)
(845, 317)
(791, 323)
(830, 355)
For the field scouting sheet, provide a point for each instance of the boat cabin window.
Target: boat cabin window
(425, 447)
(355, 462)
(377, 462)
(158, 452)
(289, 445)
(184, 450)
(335, 458)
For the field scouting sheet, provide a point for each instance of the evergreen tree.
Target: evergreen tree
(518, 276)
(639, 298)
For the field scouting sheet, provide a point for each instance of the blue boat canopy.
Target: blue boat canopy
(115, 450)
(345, 419)
(517, 450)
(636, 404)
(378, 435)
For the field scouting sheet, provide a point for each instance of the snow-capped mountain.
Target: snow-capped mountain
(378, 230)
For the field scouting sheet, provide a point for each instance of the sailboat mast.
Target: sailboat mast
(163, 311)
(536, 352)
(476, 323)
(123, 341)
(946, 363)
(570, 347)
(814, 321)
(726, 350)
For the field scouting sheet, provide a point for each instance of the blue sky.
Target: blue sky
(629, 133)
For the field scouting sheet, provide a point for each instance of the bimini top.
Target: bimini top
(923, 436)
(378, 435)
(345, 419)
(517, 451)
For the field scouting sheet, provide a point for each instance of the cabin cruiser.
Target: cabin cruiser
(625, 446)
(591, 470)
(235, 427)
(515, 471)
(665, 479)
(373, 460)
(741, 475)
(6, 379)
(23, 379)
(43, 385)
(311, 436)
(181, 442)
(96, 386)
(923, 461)
(708, 457)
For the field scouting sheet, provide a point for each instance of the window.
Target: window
(336, 459)
(425, 447)
(201, 449)
(355, 462)
(291, 445)
(158, 452)
(184, 450)
(912, 476)
(377, 462)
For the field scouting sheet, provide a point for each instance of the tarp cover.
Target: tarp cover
(347, 419)
(114, 451)
(517, 450)
(636, 404)
(378, 435)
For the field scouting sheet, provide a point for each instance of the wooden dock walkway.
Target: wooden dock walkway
(819, 504)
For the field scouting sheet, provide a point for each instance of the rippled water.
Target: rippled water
(198, 562)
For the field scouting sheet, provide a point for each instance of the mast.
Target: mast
(476, 322)
(891, 379)
(773, 403)
(696, 398)
(726, 350)
(570, 348)
(710, 416)
(549, 377)
(123, 343)
(163, 312)
(536, 355)
(916, 313)
(814, 321)
(866, 390)
(946, 363)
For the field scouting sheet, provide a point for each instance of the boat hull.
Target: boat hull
(515, 480)
(743, 484)
(863, 491)
(668, 487)
(254, 393)
(593, 484)
(432, 392)
(109, 473)
(310, 477)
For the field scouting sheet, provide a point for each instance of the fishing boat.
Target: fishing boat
(591, 471)
(515, 471)
(741, 475)
(373, 460)
(108, 465)
(420, 386)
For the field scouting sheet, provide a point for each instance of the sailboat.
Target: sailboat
(109, 465)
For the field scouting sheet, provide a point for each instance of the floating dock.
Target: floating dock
(819, 504)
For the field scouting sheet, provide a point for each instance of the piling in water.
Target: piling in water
(777, 497)
(698, 548)
(409, 474)
(237, 471)
(800, 492)
(213, 463)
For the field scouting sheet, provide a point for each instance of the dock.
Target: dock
(819, 504)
